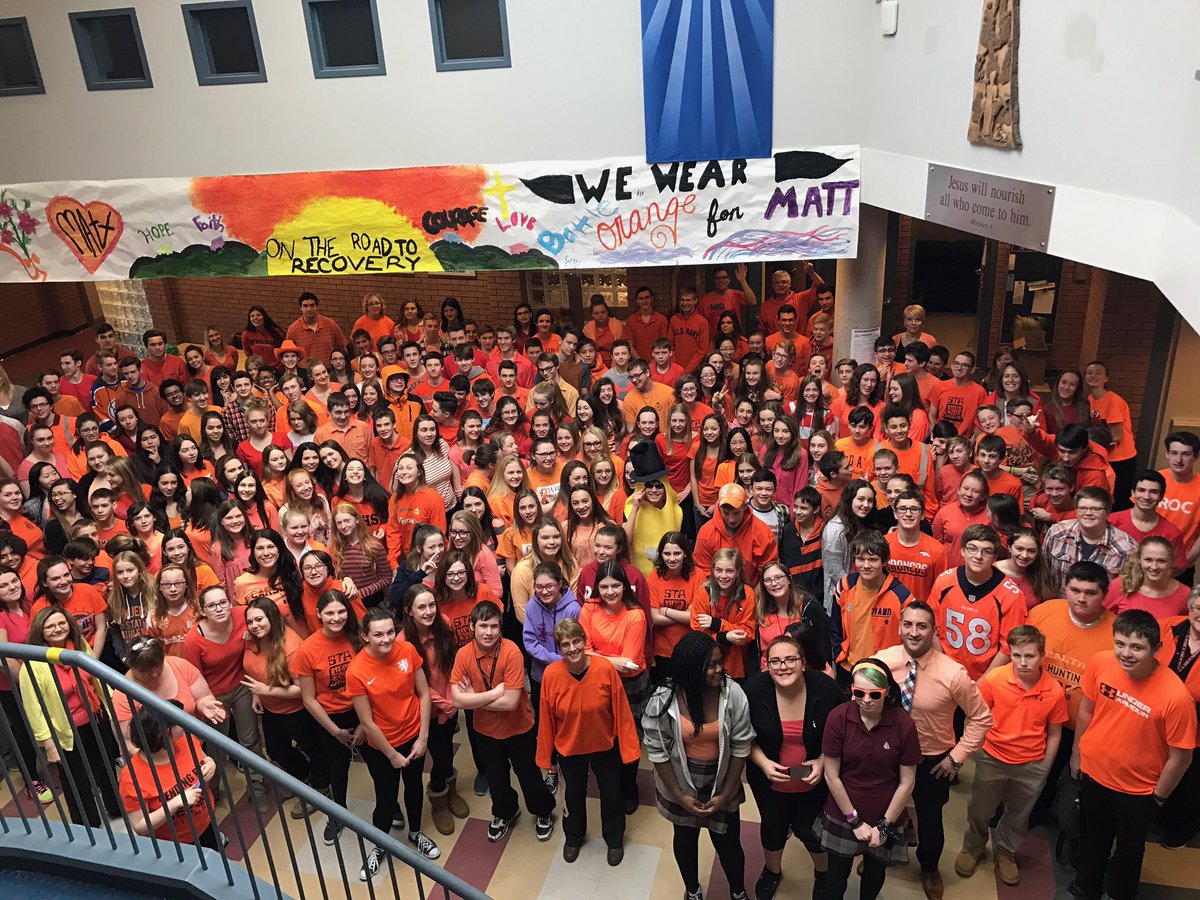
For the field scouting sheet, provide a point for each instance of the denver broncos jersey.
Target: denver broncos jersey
(974, 619)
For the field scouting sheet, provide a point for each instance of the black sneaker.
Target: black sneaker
(544, 827)
(481, 785)
(552, 781)
(424, 844)
(371, 866)
(738, 895)
(697, 894)
(332, 832)
(398, 818)
(500, 827)
(767, 884)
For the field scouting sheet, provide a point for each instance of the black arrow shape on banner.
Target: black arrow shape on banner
(792, 164)
(553, 188)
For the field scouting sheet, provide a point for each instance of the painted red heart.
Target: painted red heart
(90, 230)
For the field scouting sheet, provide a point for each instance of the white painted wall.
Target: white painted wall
(1110, 109)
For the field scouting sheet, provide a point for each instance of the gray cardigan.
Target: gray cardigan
(663, 734)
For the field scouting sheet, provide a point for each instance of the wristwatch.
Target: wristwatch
(957, 765)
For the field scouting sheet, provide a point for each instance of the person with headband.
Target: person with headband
(871, 752)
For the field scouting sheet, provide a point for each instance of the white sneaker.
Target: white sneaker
(424, 844)
(371, 866)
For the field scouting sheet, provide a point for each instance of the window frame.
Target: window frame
(87, 56)
(445, 64)
(316, 45)
(201, 50)
(25, 89)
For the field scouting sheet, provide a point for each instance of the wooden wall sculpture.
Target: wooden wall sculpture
(995, 113)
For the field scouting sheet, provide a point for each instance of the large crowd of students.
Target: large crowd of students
(833, 580)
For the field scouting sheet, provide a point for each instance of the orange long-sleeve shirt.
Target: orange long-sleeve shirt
(405, 513)
(726, 619)
(586, 715)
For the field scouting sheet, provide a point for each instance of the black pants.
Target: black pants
(473, 740)
(387, 779)
(930, 794)
(441, 752)
(869, 885)
(607, 767)
(14, 713)
(1045, 802)
(337, 755)
(89, 758)
(516, 754)
(1125, 471)
(209, 838)
(686, 845)
(1180, 815)
(293, 743)
(1109, 818)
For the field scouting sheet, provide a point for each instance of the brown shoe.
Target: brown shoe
(966, 863)
(1006, 869)
(570, 852)
(439, 806)
(458, 806)
(932, 884)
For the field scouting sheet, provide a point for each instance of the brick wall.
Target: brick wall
(898, 283)
(34, 312)
(1070, 313)
(1129, 318)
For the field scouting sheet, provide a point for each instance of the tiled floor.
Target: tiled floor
(521, 868)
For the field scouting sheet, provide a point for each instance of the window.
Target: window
(343, 36)
(469, 34)
(19, 72)
(224, 42)
(110, 49)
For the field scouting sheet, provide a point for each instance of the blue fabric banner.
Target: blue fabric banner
(707, 74)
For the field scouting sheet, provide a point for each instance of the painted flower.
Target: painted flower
(5, 210)
(27, 223)
(6, 236)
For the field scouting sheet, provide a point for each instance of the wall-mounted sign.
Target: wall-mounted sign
(1004, 209)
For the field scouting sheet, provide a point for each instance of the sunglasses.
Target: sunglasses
(860, 694)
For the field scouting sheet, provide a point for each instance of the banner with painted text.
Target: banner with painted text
(797, 204)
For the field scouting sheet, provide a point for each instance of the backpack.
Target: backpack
(1066, 808)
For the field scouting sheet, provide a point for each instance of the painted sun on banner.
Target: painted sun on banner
(797, 204)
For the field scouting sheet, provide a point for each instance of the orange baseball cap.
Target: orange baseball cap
(732, 495)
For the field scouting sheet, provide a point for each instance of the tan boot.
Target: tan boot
(458, 806)
(439, 806)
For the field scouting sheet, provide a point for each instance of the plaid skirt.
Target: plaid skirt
(836, 836)
(703, 773)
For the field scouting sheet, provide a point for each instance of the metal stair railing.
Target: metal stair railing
(41, 842)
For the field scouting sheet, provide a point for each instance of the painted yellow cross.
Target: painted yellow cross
(500, 190)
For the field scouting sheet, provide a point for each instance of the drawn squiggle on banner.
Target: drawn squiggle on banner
(755, 242)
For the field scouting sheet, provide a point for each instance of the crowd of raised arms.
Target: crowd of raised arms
(661, 534)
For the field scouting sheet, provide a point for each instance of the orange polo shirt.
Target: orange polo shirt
(485, 671)
(1019, 715)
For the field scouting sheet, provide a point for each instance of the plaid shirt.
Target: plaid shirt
(235, 423)
(1064, 546)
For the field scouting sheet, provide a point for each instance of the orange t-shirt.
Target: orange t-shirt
(514, 543)
(1004, 483)
(672, 593)
(172, 629)
(1181, 506)
(457, 613)
(485, 671)
(546, 486)
(916, 567)
(1133, 724)
(620, 635)
(1020, 716)
(1070, 646)
(140, 781)
(949, 525)
(325, 660)
(391, 686)
(861, 457)
(1113, 410)
(958, 404)
(405, 513)
(85, 604)
(376, 328)
(255, 665)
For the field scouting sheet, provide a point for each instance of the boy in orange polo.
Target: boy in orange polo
(989, 454)
(489, 678)
(860, 446)
(1028, 708)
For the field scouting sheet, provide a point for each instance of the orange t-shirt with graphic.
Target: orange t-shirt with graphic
(390, 685)
(917, 567)
(325, 660)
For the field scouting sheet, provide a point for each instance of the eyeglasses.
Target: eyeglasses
(457, 573)
(774, 579)
(142, 644)
(1091, 509)
(314, 570)
(914, 510)
(786, 662)
(458, 532)
(217, 605)
(979, 551)
(860, 694)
